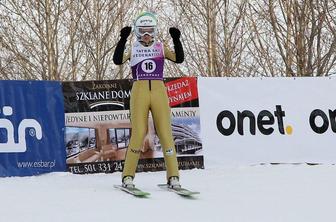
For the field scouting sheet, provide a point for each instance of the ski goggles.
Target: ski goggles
(148, 30)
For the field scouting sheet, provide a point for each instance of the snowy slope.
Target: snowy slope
(268, 193)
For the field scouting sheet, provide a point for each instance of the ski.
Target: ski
(134, 191)
(180, 191)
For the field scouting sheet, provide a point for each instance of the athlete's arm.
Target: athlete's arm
(178, 56)
(119, 56)
(169, 54)
(126, 56)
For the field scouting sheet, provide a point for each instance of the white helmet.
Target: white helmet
(145, 23)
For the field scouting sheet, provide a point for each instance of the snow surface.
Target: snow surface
(262, 193)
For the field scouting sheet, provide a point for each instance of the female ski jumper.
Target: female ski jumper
(148, 91)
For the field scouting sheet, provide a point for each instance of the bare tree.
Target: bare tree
(30, 34)
(57, 40)
(295, 38)
(73, 64)
(75, 40)
(99, 36)
(232, 39)
(215, 37)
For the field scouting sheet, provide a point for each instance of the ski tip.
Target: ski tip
(181, 191)
(191, 193)
(142, 194)
(134, 191)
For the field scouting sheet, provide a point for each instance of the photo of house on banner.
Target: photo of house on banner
(97, 136)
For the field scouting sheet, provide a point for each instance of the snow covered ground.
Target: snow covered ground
(263, 193)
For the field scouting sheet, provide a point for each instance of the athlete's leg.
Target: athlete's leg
(162, 120)
(139, 108)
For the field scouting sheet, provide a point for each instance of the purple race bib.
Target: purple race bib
(147, 62)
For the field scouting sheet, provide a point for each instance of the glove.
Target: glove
(175, 33)
(125, 32)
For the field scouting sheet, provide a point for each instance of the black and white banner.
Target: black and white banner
(98, 127)
(272, 120)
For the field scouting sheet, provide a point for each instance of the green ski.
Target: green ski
(134, 191)
(179, 190)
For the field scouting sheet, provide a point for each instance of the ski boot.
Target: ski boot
(174, 183)
(127, 182)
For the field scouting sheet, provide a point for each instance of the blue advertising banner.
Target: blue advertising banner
(31, 128)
